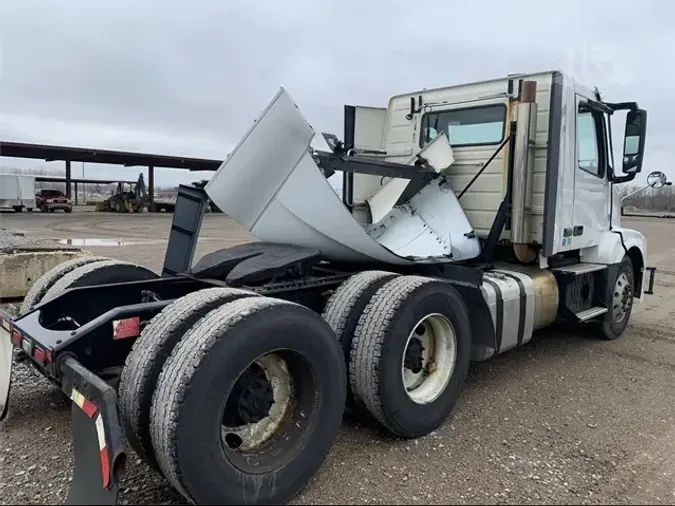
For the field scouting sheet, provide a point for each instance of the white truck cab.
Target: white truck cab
(513, 176)
(564, 191)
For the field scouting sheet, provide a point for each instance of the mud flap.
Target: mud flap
(98, 438)
(6, 362)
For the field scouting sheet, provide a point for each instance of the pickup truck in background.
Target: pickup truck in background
(51, 200)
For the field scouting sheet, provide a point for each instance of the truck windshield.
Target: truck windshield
(469, 126)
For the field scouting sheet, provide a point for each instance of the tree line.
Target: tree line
(661, 200)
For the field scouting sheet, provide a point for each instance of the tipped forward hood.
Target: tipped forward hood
(272, 187)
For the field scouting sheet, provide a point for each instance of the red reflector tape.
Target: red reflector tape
(84, 404)
(127, 327)
(92, 411)
(103, 449)
(105, 466)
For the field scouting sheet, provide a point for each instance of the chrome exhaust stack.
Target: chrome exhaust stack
(523, 172)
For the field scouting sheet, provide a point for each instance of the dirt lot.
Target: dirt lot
(566, 419)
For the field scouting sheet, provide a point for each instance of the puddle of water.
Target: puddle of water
(98, 242)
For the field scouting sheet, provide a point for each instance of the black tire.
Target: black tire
(99, 273)
(201, 372)
(380, 342)
(612, 327)
(50, 209)
(343, 310)
(68, 210)
(38, 289)
(29, 209)
(148, 355)
(18, 209)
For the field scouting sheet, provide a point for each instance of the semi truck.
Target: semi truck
(17, 192)
(471, 216)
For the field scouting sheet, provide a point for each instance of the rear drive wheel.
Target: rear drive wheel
(68, 210)
(38, 290)
(249, 403)
(344, 308)
(99, 273)
(148, 355)
(619, 301)
(410, 354)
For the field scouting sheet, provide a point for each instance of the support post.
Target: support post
(76, 193)
(68, 180)
(151, 188)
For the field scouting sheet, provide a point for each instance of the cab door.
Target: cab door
(591, 183)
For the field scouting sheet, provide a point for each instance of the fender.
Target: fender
(612, 248)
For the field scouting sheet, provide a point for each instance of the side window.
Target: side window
(470, 126)
(588, 154)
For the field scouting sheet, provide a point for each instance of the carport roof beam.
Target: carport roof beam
(128, 159)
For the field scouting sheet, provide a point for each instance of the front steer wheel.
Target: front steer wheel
(619, 301)
(249, 403)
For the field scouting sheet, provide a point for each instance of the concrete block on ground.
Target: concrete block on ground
(23, 260)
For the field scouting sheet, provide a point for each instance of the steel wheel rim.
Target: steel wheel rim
(622, 298)
(439, 342)
(248, 437)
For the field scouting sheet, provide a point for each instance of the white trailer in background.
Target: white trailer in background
(17, 192)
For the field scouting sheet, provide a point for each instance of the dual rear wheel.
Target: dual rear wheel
(237, 398)
(234, 397)
(407, 343)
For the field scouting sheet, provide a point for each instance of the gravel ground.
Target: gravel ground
(566, 419)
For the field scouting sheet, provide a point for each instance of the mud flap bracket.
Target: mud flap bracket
(98, 439)
(650, 289)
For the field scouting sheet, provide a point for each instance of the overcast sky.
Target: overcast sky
(188, 78)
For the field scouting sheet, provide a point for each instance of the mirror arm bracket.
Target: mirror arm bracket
(621, 106)
(623, 179)
(598, 106)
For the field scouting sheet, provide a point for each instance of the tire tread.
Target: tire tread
(148, 355)
(370, 337)
(176, 375)
(42, 285)
(339, 311)
(67, 281)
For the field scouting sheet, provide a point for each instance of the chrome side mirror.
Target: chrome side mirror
(657, 179)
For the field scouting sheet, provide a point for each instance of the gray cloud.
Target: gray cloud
(189, 77)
